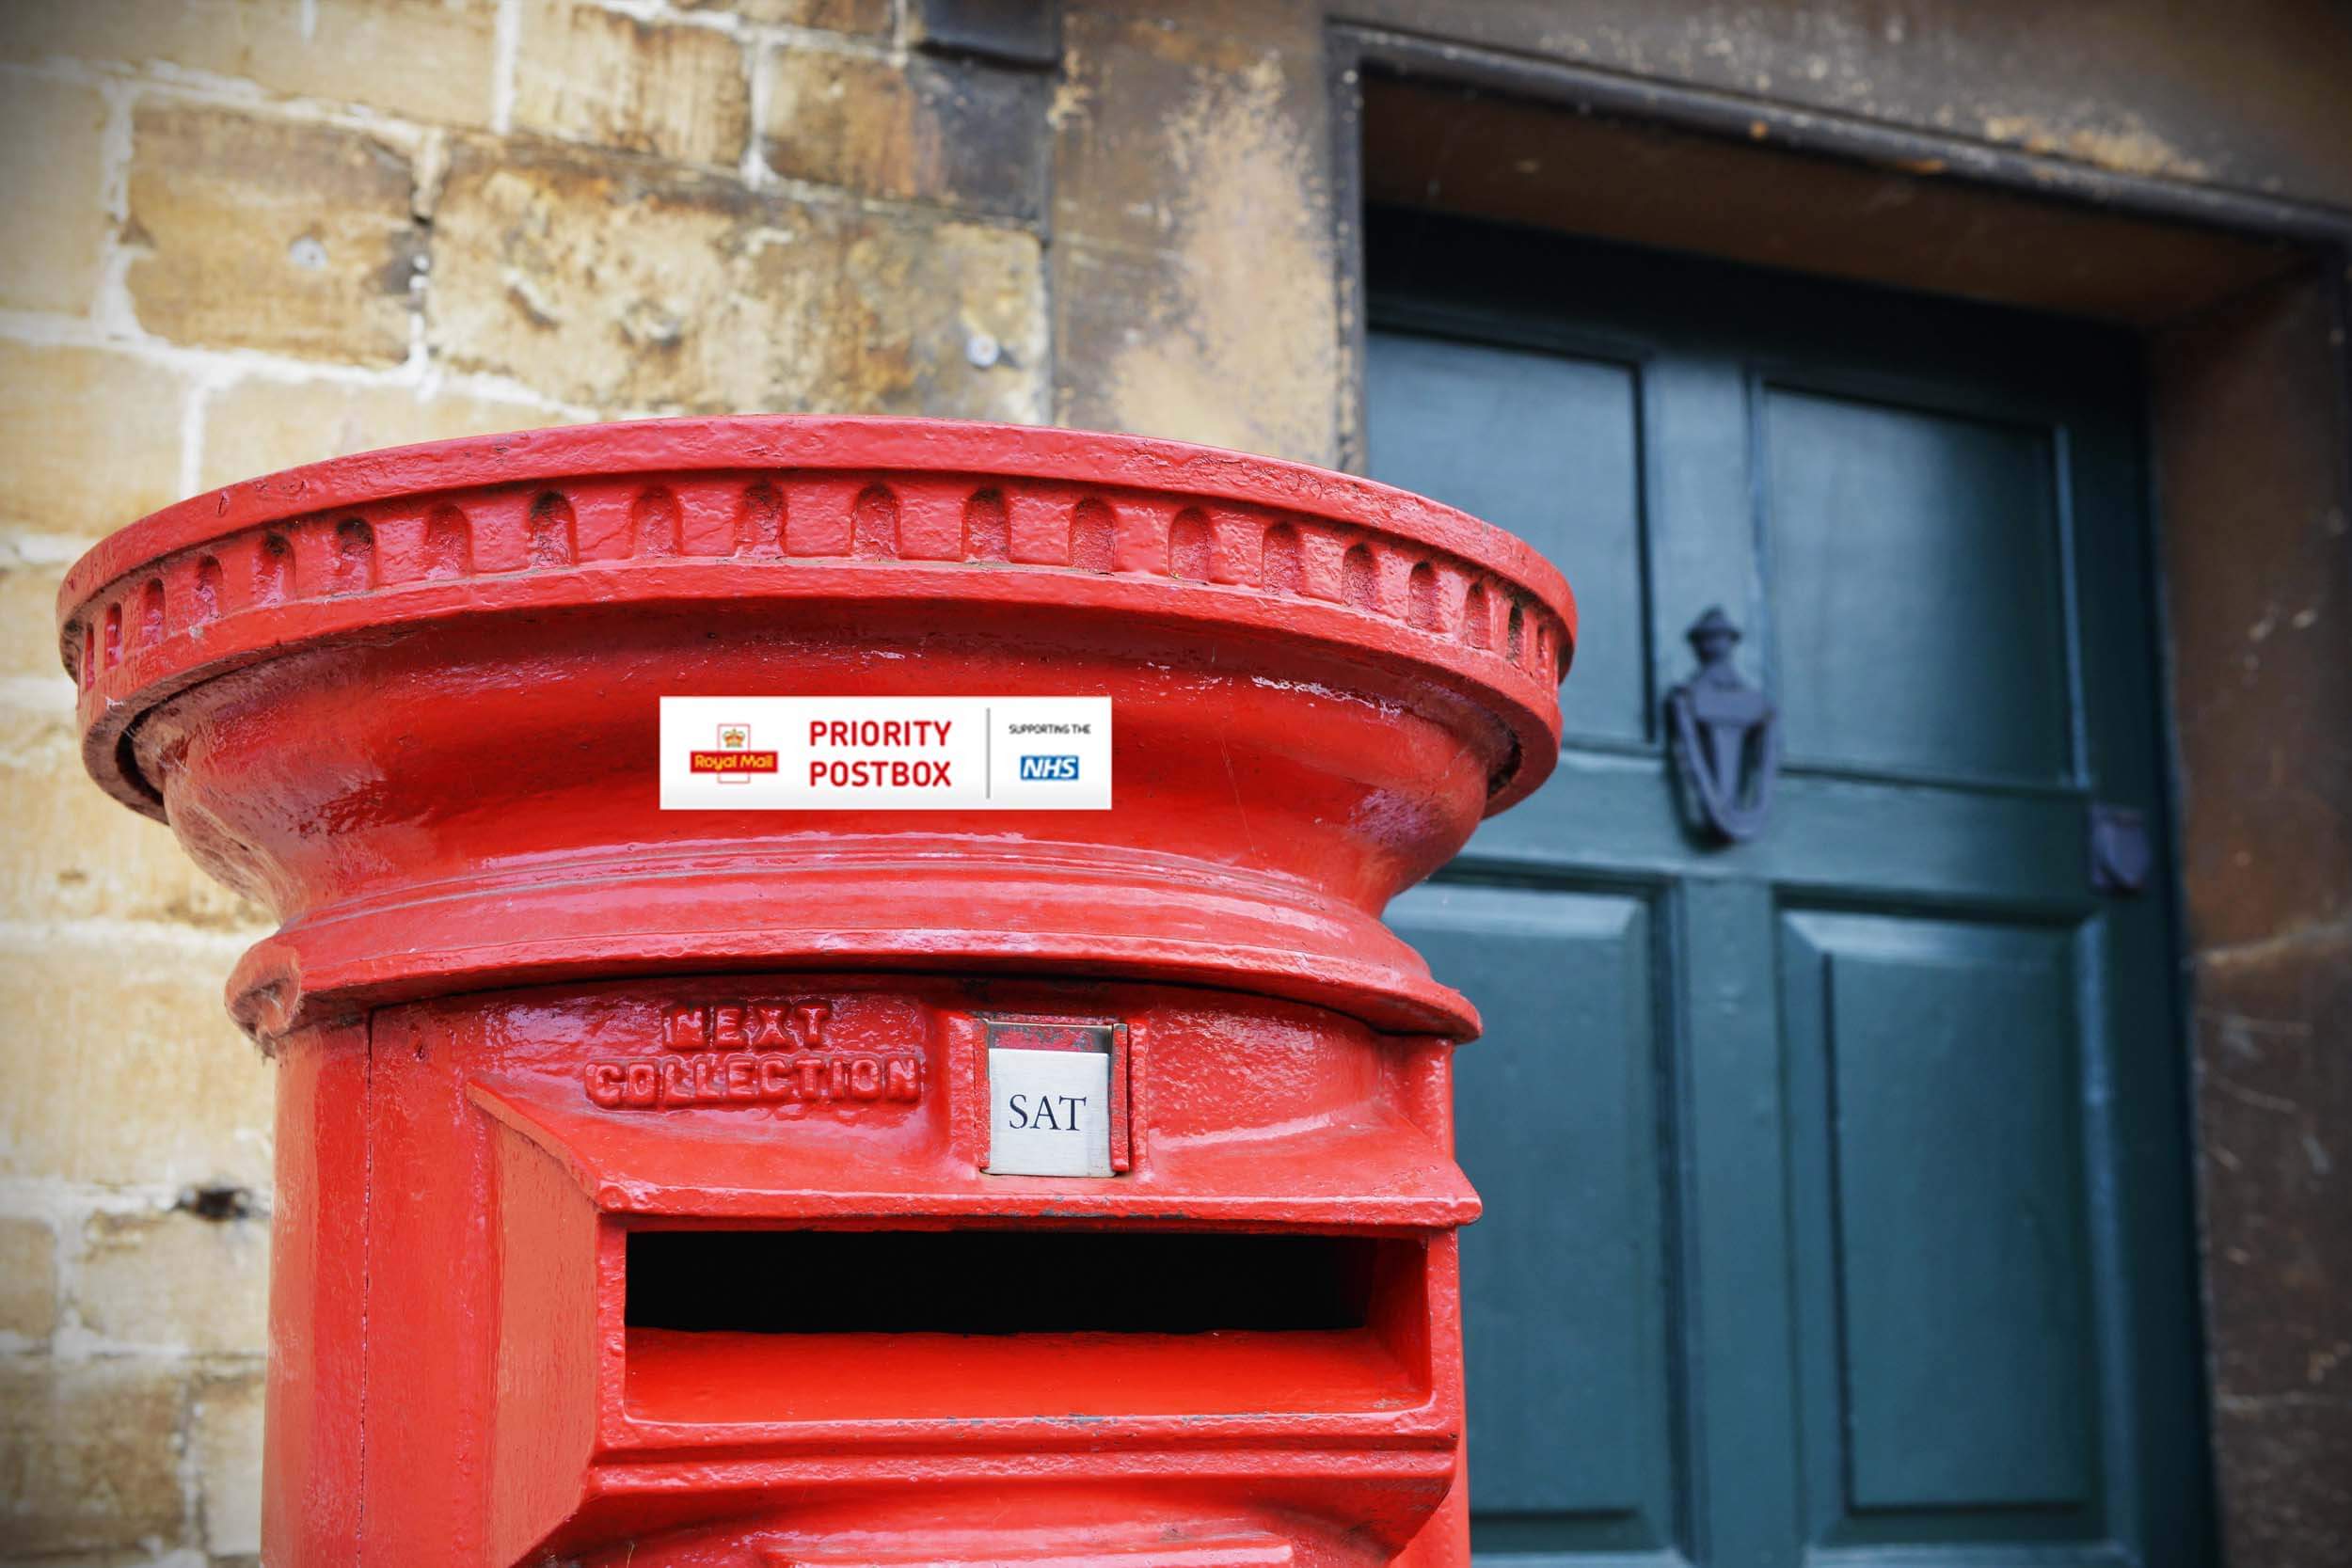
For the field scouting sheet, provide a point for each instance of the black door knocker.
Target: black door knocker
(1726, 736)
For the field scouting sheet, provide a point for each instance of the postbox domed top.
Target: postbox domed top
(944, 537)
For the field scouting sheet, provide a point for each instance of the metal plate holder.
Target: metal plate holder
(1056, 1090)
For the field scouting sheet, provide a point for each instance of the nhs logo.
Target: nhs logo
(1049, 769)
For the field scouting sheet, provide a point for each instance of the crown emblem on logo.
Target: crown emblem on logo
(735, 737)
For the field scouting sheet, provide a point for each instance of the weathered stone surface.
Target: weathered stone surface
(28, 1276)
(1204, 306)
(963, 135)
(123, 1065)
(1146, 99)
(271, 233)
(227, 1434)
(432, 60)
(52, 170)
(2251, 426)
(1022, 32)
(90, 1457)
(868, 17)
(259, 426)
(89, 439)
(631, 287)
(2244, 96)
(972, 344)
(588, 74)
(2286, 1490)
(71, 853)
(1210, 29)
(174, 1281)
(31, 566)
(2274, 1051)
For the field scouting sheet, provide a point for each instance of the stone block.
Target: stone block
(122, 1063)
(937, 317)
(2250, 427)
(90, 438)
(2274, 1056)
(1155, 116)
(1020, 32)
(269, 234)
(52, 167)
(432, 60)
(2286, 1488)
(227, 1434)
(589, 74)
(31, 566)
(258, 426)
(869, 17)
(90, 1458)
(28, 1276)
(624, 286)
(956, 133)
(1155, 344)
(175, 1281)
(1193, 287)
(71, 853)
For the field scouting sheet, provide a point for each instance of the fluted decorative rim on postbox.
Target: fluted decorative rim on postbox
(999, 529)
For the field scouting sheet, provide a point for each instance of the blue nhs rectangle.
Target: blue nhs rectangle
(1051, 768)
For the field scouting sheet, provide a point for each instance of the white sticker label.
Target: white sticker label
(1049, 1113)
(885, 753)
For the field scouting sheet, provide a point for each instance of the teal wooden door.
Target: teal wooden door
(1836, 1185)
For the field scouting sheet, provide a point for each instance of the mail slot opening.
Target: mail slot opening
(765, 1326)
(995, 1281)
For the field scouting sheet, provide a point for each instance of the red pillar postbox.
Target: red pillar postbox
(650, 1184)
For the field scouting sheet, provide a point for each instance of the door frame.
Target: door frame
(1724, 132)
(2244, 941)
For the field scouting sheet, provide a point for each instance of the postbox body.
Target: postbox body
(838, 1185)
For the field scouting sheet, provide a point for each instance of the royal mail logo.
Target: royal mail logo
(1049, 769)
(734, 762)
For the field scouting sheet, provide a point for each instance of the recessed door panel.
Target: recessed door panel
(1937, 1072)
(1544, 445)
(1916, 583)
(1564, 1276)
